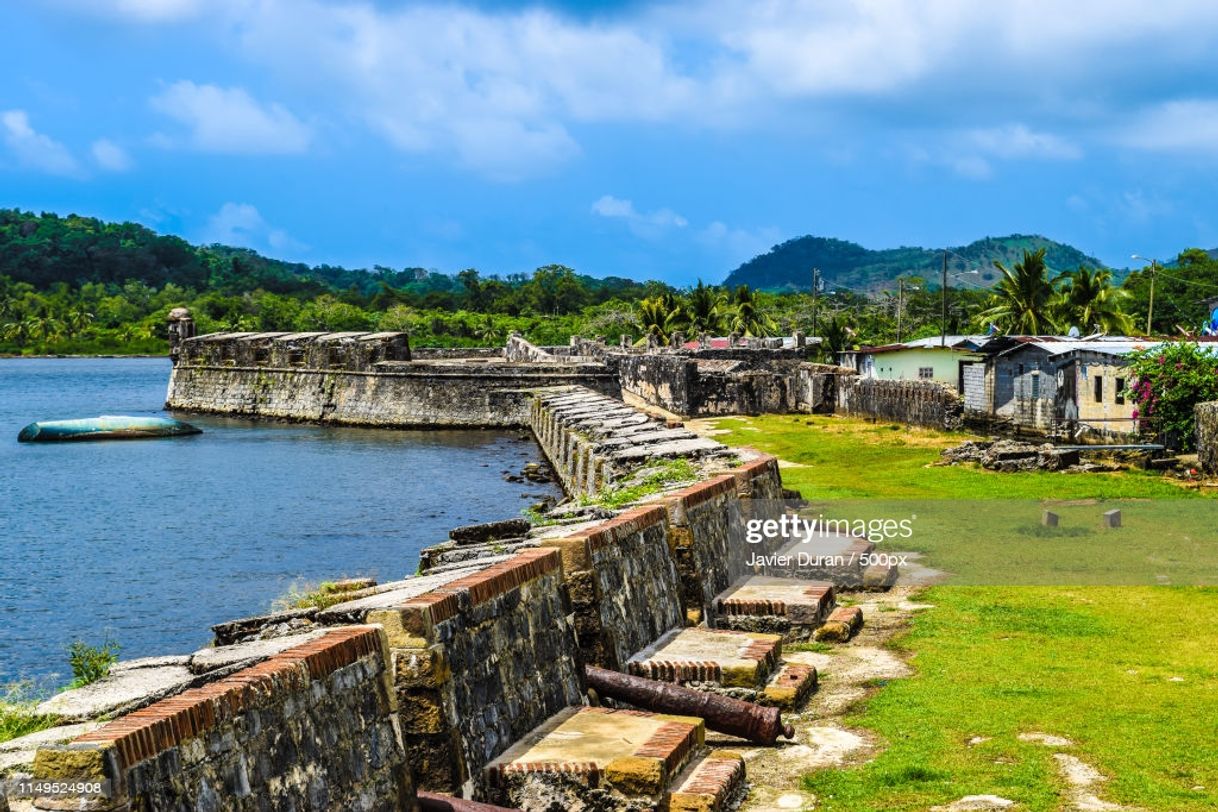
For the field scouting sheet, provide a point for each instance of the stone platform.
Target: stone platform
(598, 758)
(788, 607)
(744, 665)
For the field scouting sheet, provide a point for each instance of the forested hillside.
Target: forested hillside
(845, 264)
(80, 285)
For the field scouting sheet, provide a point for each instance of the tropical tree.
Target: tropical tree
(488, 332)
(1022, 303)
(746, 316)
(703, 310)
(76, 321)
(659, 315)
(837, 335)
(1087, 299)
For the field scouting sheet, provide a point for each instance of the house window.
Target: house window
(926, 373)
(1099, 388)
(1035, 385)
(1120, 391)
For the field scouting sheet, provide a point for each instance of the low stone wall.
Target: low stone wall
(714, 382)
(350, 351)
(919, 403)
(448, 394)
(479, 662)
(313, 727)
(521, 350)
(662, 380)
(455, 353)
(623, 584)
(1207, 436)
(816, 387)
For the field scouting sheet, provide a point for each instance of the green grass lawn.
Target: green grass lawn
(984, 527)
(1129, 673)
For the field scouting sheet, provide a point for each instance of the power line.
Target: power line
(1210, 285)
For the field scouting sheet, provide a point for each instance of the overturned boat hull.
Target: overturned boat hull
(107, 427)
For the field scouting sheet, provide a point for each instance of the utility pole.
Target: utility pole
(815, 285)
(1150, 311)
(943, 339)
(900, 304)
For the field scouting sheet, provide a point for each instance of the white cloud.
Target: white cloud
(110, 156)
(229, 120)
(1183, 126)
(498, 93)
(138, 11)
(651, 225)
(32, 149)
(1018, 141)
(973, 153)
(737, 245)
(507, 93)
(241, 224)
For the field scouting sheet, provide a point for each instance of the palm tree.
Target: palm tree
(16, 331)
(488, 332)
(1088, 300)
(659, 315)
(77, 321)
(1022, 303)
(746, 317)
(703, 310)
(837, 336)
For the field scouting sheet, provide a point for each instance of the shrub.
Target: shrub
(91, 663)
(1169, 381)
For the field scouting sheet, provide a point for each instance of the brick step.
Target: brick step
(743, 665)
(788, 607)
(843, 623)
(713, 783)
(600, 758)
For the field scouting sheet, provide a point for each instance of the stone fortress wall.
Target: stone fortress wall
(378, 379)
(361, 379)
(457, 679)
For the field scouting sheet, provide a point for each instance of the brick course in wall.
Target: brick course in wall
(480, 661)
(314, 726)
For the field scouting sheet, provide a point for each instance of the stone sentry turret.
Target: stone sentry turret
(181, 328)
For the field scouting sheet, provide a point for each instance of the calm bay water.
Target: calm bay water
(149, 542)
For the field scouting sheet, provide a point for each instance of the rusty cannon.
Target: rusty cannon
(735, 717)
(431, 802)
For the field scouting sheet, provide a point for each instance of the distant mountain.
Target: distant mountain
(849, 265)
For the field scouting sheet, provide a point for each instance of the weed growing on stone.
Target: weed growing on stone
(301, 595)
(91, 663)
(647, 481)
(537, 518)
(18, 716)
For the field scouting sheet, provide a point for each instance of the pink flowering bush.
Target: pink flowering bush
(1168, 381)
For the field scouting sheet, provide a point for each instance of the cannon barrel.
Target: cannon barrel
(431, 802)
(721, 713)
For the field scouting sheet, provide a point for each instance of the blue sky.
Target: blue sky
(654, 140)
